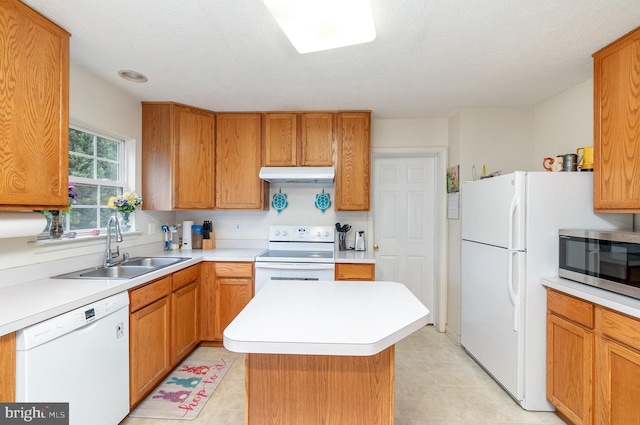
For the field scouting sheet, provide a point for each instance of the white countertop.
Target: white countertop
(325, 318)
(31, 302)
(621, 303)
(351, 256)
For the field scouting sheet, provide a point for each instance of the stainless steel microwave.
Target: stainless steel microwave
(605, 259)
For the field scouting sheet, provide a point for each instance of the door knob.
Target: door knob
(375, 247)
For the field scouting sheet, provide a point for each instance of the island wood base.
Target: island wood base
(287, 389)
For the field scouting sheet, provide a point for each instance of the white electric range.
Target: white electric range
(297, 253)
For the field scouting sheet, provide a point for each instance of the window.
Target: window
(96, 166)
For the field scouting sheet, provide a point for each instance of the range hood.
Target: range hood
(297, 174)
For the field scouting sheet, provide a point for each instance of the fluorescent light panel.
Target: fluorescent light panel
(314, 25)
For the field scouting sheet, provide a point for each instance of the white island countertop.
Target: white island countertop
(346, 318)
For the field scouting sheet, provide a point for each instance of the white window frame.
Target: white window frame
(121, 183)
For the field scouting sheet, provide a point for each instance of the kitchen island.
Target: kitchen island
(323, 352)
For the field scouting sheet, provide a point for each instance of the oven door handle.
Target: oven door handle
(295, 266)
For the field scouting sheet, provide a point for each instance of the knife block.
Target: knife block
(209, 243)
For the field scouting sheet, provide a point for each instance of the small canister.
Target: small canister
(570, 162)
(196, 236)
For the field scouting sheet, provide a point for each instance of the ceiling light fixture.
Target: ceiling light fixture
(314, 25)
(133, 76)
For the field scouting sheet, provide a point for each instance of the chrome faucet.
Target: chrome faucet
(109, 255)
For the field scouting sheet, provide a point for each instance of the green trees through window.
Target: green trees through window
(96, 165)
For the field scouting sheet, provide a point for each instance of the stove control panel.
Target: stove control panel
(301, 233)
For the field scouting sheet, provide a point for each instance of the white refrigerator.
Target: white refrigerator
(509, 242)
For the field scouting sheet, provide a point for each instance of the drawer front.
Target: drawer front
(620, 327)
(350, 271)
(185, 276)
(234, 269)
(149, 293)
(574, 309)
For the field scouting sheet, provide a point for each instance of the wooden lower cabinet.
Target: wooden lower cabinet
(150, 343)
(618, 390)
(8, 368)
(569, 369)
(226, 289)
(320, 389)
(354, 271)
(185, 317)
(593, 362)
(164, 327)
(234, 290)
(618, 369)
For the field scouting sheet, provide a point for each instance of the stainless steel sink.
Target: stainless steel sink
(125, 270)
(116, 272)
(156, 262)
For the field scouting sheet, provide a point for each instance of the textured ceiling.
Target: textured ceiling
(430, 57)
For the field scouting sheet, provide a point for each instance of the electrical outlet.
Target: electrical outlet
(237, 226)
(153, 228)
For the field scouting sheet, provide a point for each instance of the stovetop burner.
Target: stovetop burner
(300, 244)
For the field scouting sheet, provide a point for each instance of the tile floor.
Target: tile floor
(437, 383)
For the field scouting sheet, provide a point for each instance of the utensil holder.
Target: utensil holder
(342, 241)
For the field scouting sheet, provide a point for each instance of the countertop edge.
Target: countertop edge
(611, 300)
(351, 256)
(319, 349)
(107, 288)
(387, 312)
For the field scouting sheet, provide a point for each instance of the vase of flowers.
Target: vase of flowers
(125, 205)
(56, 228)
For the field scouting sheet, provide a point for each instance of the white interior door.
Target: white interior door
(404, 225)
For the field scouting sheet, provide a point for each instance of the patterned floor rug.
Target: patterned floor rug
(183, 394)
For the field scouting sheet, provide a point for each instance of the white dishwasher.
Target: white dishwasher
(80, 357)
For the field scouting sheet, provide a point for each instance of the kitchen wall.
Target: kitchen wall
(97, 105)
(254, 225)
(500, 139)
(556, 126)
(563, 124)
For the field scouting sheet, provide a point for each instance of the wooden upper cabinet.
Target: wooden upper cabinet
(617, 126)
(34, 110)
(298, 139)
(177, 157)
(238, 161)
(316, 139)
(352, 161)
(280, 140)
